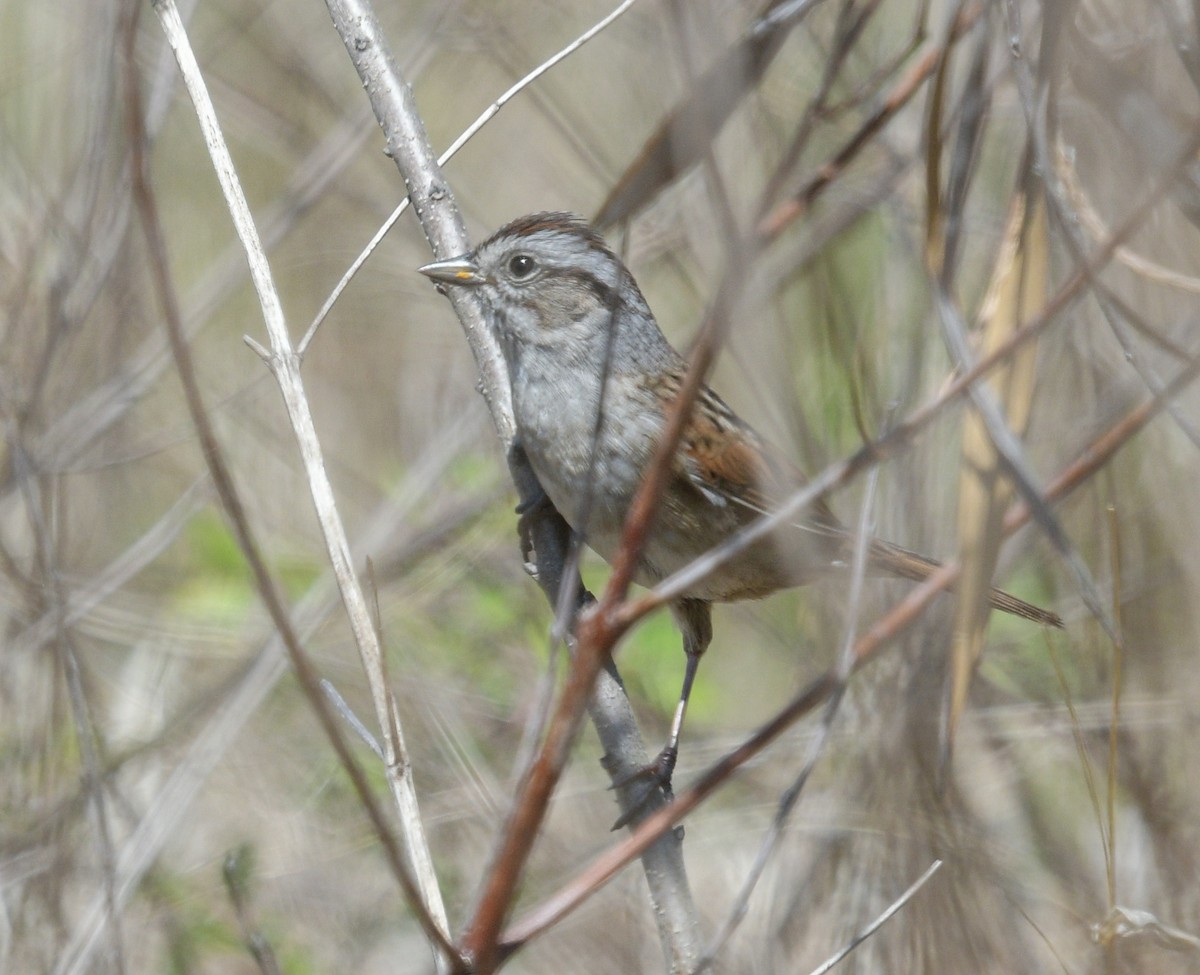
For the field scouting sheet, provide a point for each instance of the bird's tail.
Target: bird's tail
(909, 565)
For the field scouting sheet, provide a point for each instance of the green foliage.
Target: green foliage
(195, 933)
(651, 661)
(217, 585)
(471, 471)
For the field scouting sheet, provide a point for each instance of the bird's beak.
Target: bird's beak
(457, 270)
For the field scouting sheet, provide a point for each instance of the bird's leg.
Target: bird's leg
(528, 511)
(694, 617)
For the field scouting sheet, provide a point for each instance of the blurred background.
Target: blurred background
(138, 664)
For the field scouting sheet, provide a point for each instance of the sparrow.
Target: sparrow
(593, 380)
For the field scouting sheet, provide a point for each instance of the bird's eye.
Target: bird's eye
(522, 265)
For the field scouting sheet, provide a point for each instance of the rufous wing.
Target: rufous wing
(726, 460)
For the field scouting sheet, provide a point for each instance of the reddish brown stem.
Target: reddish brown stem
(879, 635)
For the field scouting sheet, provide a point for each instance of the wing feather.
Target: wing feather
(726, 460)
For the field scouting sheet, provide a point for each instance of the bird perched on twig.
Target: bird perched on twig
(593, 380)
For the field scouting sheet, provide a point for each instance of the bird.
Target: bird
(593, 381)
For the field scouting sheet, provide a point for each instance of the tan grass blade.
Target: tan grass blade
(1016, 293)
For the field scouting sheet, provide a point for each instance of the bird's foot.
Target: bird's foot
(528, 512)
(649, 780)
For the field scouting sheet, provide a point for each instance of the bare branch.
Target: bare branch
(843, 668)
(878, 636)
(423, 894)
(880, 921)
(408, 146)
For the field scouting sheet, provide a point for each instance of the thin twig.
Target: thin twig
(841, 472)
(686, 132)
(817, 106)
(467, 134)
(408, 146)
(84, 601)
(775, 222)
(235, 869)
(1114, 725)
(1036, 111)
(82, 425)
(234, 702)
(843, 668)
(87, 737)
(594, 646)
(422, 893)
(554, 908)
(597, 634)
(1011, 454)
(1081, 749)
(352, 719)
(599, 628)
(903, 614)
(1089, 218)
(880, 921)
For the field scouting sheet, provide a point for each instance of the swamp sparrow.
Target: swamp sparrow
(577, 333)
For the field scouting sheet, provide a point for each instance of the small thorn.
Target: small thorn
(259, 349)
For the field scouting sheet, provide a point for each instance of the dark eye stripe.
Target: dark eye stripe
(606, 295)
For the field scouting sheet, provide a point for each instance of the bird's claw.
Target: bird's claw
(655, 776)
(527, 513)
